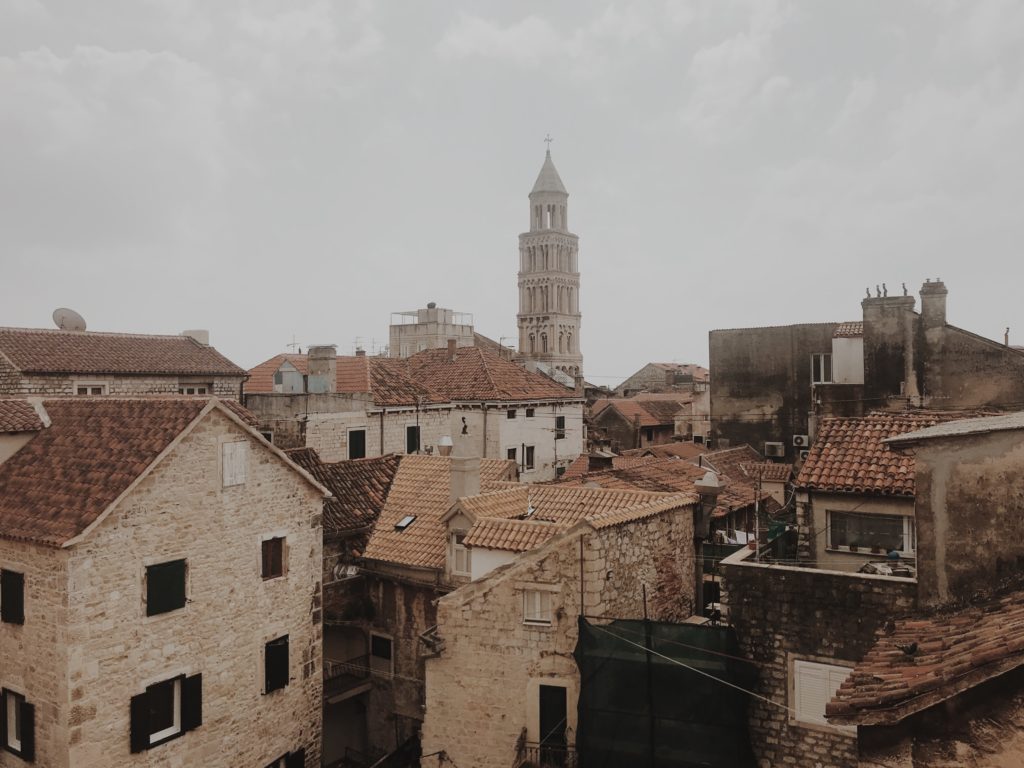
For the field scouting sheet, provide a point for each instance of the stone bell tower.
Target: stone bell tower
(549, 278)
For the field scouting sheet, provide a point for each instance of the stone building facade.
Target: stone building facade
(57, 363)
(665, 377)
(151, 618)
(549, 279)
(504, 640)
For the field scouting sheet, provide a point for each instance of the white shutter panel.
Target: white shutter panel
(235, 460)
(815, 685)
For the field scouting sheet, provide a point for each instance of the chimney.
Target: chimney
(201, 336)
(578, 384)
(1006, 338)
(323, 369)
(360, 353)
(451, 348)
(933, 304)
(465, 477)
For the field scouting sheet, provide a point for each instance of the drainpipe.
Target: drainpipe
(484, 451)
(381, 431)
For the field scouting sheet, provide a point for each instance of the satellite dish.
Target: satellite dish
(68, 319)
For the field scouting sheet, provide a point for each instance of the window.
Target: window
(460, 554)
(165, 587)
(267, 435)
(412, 439)
(12, 597)
(272, 557)
(166, 710)
(90, 388)
(275, 664)
(814, 685)
(510, 453)
(295, 759)
(405, 522)
(559, 427)
(234, 463)
(17, 725)
(381, 654)
(821, 368)
(528, 457)
(194, 389)
(510, 413)
(529, 413)
(865, 532)
(357, 444)
(537, 607)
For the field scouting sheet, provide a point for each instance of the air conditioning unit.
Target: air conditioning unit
(774, 450)
(801, 441)
(804, 455)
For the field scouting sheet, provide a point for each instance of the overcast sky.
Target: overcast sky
(274, 169)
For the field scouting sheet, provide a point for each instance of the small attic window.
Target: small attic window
(404, 523)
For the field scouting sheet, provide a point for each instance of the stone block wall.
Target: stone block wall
(181, 511)
(33, 655)
(62, 385)
(781, 614)
(328, 432)
(482, 691)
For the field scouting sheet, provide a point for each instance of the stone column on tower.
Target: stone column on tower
(549, 279)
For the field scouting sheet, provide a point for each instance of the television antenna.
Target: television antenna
(68, 319)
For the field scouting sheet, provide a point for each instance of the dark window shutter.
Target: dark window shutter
(28, 732)
(296, 759)
(3, 717)
(12, 597)
(139, 738)
(276, 664)
(165, 587)
(191, 702)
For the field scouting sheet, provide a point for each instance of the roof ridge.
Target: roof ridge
(120, 334)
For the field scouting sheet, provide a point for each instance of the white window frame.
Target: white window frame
(366, 442)
(537, 610)
(529, 455)
(457, 547)
(13, 708)
(805, 673)
(104, 386)
(183, 389)
(909, 533)
(819, 358)
(174, 728)
(234, 463)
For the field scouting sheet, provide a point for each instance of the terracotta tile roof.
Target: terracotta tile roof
(850, 455)
(386, 379)
(963, 427)
(422, 487)
(581, 464)
(955, 652)
(478, 374)
(359, 487)
(672, 476)
(42, 350)
(768, 471)
(501, 522)
(680, 449)
(68, 474)
(699, 372)
(848, 330)
(650, 413)
(18, 416)
(729, 461)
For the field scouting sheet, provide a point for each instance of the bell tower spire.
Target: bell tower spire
(549, 279)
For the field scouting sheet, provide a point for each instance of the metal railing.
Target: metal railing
(339, 675)
(546, 756)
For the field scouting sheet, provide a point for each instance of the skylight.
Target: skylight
(404, 523)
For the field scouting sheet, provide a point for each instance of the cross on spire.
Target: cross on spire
(548, 140)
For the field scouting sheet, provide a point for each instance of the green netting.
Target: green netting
(638, 709)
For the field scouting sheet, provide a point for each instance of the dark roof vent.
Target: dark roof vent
(432, 305)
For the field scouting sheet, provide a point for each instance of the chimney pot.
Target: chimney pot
(360, 353)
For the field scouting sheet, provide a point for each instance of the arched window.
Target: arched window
(568, 342)
(561, 343)
(544, 343)
(533, 344)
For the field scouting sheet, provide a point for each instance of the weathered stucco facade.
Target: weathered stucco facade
(483, 686)
(87, 645)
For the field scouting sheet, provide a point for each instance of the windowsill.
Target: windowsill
(869, 553)
(279, 577)
(146, 619)
(164, 739)
(837, 730)
(538, 624)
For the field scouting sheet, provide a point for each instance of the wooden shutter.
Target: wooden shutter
(191, 702)
(276, 664)
(28, 732)
(3, 717)
(12, 597)
(165, 587)
(235, 463)
(814, 686)
(296, 759)
(139, 729)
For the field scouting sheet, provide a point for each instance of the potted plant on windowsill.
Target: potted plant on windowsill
(853, 546)
(877, 550)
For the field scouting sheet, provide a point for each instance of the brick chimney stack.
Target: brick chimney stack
(323, 369)
(452, 343)
(933, 304)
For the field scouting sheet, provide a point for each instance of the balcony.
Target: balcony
(530, 755)
(344, 679)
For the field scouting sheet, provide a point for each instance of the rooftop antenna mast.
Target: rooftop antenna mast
(294, 346)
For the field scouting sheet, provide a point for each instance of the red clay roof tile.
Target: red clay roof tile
(18, 416)
(44, 350)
